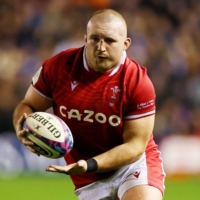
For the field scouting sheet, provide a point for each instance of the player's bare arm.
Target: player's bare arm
(136, 135)
(32, 102)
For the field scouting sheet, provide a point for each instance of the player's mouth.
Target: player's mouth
(102, 57)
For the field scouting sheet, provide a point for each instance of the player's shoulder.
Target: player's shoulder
(68, 56)
(134, 65)
(134, 70)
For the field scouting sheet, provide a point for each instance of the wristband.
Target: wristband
(92, 165)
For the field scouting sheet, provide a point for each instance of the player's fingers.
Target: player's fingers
(26, 141)
(21, 120)
(32, 150)
(23, 138)
(56, 168)
(19, 129)
(25, 115)
(75, 168)
(51, 168)
(22, 133)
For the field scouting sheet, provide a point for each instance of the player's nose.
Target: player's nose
(101, 45)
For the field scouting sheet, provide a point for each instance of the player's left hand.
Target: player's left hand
(76, 168)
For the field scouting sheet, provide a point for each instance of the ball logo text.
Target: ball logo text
(46, 123)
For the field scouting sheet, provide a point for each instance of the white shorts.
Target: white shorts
(148, 170)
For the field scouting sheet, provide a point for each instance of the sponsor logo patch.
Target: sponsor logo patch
(136, 174)
(73, 84)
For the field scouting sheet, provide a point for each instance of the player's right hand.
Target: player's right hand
(21, 134)
(75, 168)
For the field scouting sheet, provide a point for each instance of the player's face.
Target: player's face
(105, 42)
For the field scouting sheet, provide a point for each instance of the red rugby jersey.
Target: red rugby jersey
(94, 105)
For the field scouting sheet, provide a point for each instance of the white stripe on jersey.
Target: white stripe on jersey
(84, 60)
(140, 115)
(122, 62)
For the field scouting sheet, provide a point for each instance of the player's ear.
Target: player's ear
(85, 37)
(127, 43)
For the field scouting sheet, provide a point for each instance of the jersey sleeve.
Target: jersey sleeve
(41, 81)
(47, 81)
(141, 96)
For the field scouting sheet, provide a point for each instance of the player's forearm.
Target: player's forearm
(118, 157)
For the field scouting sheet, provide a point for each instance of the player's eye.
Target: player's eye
(109, 40)
(95, 39)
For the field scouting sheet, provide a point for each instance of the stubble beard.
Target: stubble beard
(103, 65)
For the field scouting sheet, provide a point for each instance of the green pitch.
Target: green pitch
(58, 187)
(37, 187)
(183, 189)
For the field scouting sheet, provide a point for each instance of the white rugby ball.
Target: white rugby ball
(51, 136)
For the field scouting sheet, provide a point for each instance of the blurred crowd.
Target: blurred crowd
(165, 39)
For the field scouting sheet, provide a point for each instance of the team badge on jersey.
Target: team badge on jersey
(115, 90)
(36, 77)
(114, 93)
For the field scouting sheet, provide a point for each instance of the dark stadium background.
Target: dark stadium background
(165, 39)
